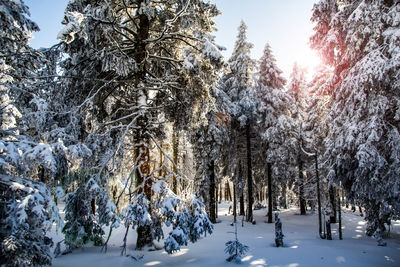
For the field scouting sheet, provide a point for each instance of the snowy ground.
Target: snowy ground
(303, 246)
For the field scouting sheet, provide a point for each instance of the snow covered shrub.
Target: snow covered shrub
(236, 250)
(87, 209)
(187, 217)
(27, 212)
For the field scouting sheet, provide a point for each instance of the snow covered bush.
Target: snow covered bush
(236, 250)
(27, 212)
(187, 217)
(87, 210)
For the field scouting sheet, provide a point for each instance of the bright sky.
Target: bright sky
(284, 24)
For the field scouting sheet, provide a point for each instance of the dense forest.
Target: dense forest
(134, 119)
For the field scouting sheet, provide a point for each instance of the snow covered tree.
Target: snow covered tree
(359, 39)
(209, 140)
(88, 209)
(235, 249)
(143, 61)
(27, 212)
(187, 217)
(273, 122)
(237, 85)
(297, 89)
(278, 231)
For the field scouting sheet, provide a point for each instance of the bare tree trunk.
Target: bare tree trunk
(216, 201)
(339, 216)
(175, 152)
(212, 208)
(332, 196)
(269, 174)
(234, 203)
(249, 176)
(302, 201)
(318, 198)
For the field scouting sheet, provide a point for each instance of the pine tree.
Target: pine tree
(144, 60)
(274, 122)
(237, 85)
(297, 90)
(364, 112)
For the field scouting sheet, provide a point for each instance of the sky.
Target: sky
(284, 24)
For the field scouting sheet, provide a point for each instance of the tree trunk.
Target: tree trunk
(302, 201)
(269, 174)
(318, 197)
(249, 176)
(234, 203)
(175, 153)
(284, 197)
(93, 205)
(144, 235)
(220, 191)
(212, 208)
(332, 196)
(216, 201)
(339, 216)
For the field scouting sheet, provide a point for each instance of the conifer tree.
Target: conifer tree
(143, 60)
(358, 39)
(237, 85)
(274, 122)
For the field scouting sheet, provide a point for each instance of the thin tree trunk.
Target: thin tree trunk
(216, 201)
(269, 175)
(249, 176)
(332, 195)
(318, 197)
(339, 216)
(241, 204)
(241, 199)
(302, 201)
(175, 152)
(212, 208)
(93, 205)
(220, 191)
(234, 203)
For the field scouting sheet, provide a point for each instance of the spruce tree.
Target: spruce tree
(357, 38)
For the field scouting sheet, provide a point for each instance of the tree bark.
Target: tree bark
(234, 203)
(144, 236)
(241, 199)
(212, 215)
(339, 216)
(216, 201)
(269, 174)
(332, 196)
(318, 198)
(175, 152)
(302, 201)
(249, 176)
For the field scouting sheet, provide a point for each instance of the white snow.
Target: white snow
(303, 247)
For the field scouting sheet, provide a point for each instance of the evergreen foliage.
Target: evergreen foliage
(359, 39)
(27, 213)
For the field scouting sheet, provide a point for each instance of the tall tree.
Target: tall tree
(297, 89)
(140, 59)
(360, 41)
(273, 121)
(237, 84)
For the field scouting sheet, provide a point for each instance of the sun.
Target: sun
(310, 60)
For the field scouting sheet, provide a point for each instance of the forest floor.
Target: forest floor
(303, 247)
